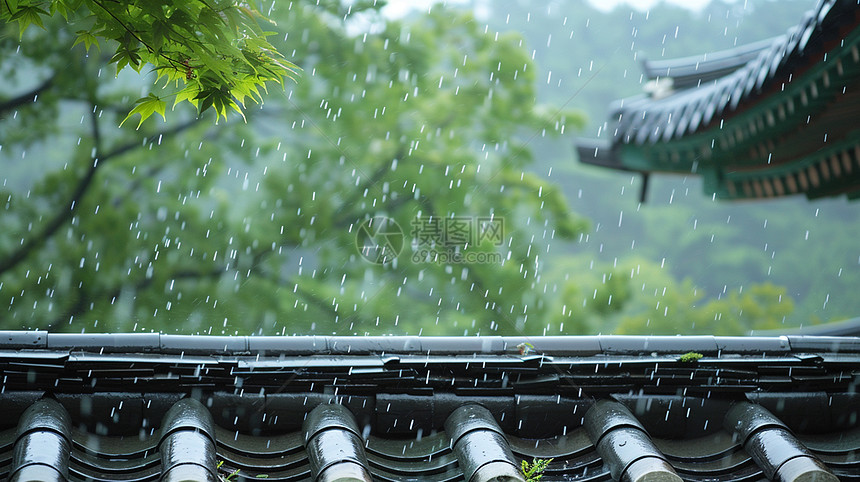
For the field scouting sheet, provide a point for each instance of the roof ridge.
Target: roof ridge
(571, 345)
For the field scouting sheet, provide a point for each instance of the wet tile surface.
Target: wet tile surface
(407, 408)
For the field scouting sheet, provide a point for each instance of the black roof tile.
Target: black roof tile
(42, 443)
(406, 408)
(334, 445)
(482, 450)
(624, 445)
(187, 443)
(773, 447)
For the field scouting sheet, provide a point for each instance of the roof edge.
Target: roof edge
(707, 66)
(420, 345)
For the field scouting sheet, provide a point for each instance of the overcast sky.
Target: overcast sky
(397, 8)
(646, 4)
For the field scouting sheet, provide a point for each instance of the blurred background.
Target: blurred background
(412, 114)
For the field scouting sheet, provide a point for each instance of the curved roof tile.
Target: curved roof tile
(436, 409)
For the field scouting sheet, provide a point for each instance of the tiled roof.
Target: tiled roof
(699, 69)
(767, 119)
(172, 407)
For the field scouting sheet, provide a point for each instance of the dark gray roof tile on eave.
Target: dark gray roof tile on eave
(720, 454)
(384, 408)
(696, 70)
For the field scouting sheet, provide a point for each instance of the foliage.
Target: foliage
(534, 471)
(436, 147)
(690, 357)
(681, 307)
(525, 348)
(251, 229)
(210, 53)
(651, 301)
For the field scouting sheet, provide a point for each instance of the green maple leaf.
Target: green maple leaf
(87, 38)
(146, 106)
(27, 15)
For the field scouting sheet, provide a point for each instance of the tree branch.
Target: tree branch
(347, 218)
(81, 304)
(151, 139)
(309, 297)
(318, 302)
(12, 260)
(358, 193)
(27, 97)
(177, 64)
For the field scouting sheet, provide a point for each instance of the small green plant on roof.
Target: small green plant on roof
(525, 348)
(229, 477)
(534, 471)
(690, 357)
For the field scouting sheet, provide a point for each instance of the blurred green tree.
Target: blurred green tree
(637, 296)
(242, 228)
(666, 307)
(251, 228)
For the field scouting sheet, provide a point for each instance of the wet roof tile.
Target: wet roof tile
(436, 409)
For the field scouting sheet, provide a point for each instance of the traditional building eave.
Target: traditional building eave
(149, 407)
(784, 122)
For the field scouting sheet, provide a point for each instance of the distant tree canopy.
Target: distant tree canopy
(251, 228)
(805, 250)
(211, 53)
